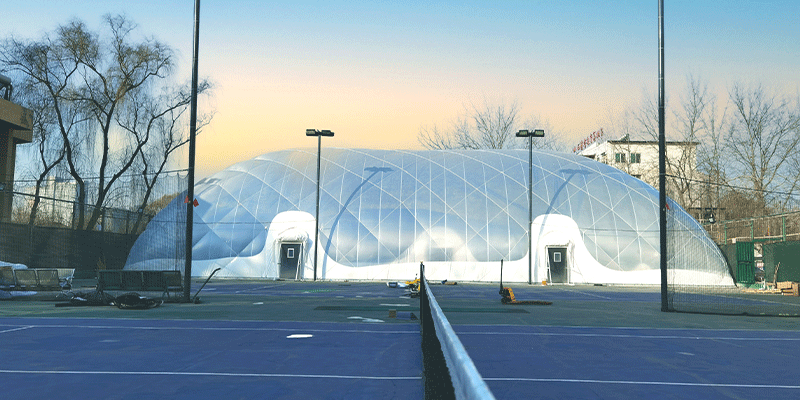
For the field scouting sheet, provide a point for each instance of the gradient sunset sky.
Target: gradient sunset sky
(374, 72)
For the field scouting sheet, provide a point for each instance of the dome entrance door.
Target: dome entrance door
(290, 260)
(557, 264)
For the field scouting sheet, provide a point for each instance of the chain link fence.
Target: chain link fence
(49, 228)
(758, 233)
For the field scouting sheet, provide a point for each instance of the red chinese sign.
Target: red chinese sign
(595, 136)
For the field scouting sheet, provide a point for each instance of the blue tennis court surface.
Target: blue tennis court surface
(335, 340)
(587, 362)
(125, 359)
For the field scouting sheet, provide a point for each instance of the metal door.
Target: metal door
(557, 262)
(290, 260)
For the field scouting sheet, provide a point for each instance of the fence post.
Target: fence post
(725, 232)
(783, 227)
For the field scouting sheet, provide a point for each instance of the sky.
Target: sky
(375, 72)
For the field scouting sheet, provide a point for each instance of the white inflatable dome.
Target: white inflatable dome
(382, 212)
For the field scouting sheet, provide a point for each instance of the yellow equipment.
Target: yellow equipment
(507, 294)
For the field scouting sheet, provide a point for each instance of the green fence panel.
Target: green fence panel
(745, 263)
(785, 254)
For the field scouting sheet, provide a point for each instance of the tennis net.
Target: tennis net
(449, 372)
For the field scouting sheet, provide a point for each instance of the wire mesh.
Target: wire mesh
(758, 235)
(47, 227)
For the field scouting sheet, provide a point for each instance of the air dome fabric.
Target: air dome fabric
(382, 212)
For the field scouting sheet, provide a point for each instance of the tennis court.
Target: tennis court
(191, 359)
(267, 339)
(613, 342)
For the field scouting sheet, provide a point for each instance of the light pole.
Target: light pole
(187, 268)
(319, 135)
(530, 135)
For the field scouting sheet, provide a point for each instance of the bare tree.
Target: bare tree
(681, 139)
(712, 157)
(683, 136)
(49, 146)
(490, 126)
(763, 140)
(157, 121)
(81, 73)
(688, 126)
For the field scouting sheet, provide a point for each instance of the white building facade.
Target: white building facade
(639, 158)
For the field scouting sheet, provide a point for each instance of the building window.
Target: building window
(619, 157)
(636, 158)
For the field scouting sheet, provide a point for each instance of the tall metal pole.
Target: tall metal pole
(662, 160)
(316, 219)
(187, 271)
(530, 209)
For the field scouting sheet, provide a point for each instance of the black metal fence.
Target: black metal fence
(43, 230)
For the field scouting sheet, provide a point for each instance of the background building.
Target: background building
(16, 123)
(639, 158)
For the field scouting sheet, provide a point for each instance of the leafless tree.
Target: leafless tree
(489, 126)
(683, 130)
(93, 84)
(48, 143)
(763, 140)
(688, 126)
(156, 120)
(712, 158)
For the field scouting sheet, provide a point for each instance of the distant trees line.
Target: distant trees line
(747, 154)
(105, 109)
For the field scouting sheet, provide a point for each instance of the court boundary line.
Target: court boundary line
(564, 289)
(631, 328)
(631, 336)
(233, 329)
(21, 328)
(613, 382)
(217, 374)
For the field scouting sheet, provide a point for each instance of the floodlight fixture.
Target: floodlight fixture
(314, 132)
(529, 133)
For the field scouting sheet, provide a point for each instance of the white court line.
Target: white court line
(258, 288)
(234, 329)
(18, 329)
(617, 335)
(228, 374)
(584, 293)
(723, 385)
